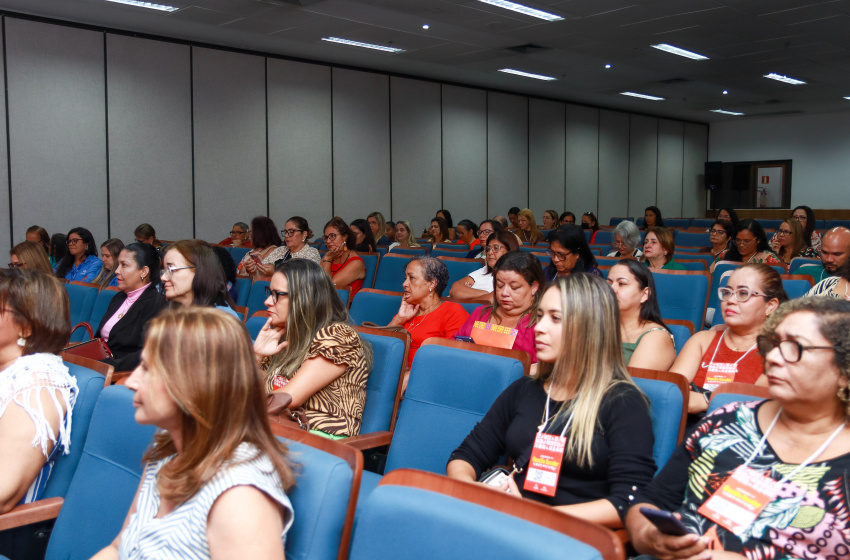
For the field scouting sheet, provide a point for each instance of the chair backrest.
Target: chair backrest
(327, 481)
(105, 480)
(409, 251)
(255, 325)
(796, 285)
(376, 306)
(736, 392)
(383, 388)
(615, 221)
(82, 300)
(706, 257)
(448, 391)
(257, 296)
(101, 303)
(89, 384)
(682, 331)
(692, 264)
(460, 268)
(382, 249)
(415, 514)
(452, 246)
(238, 253)
(243, 288)
(702, 222)
(677, 222)
(390, 274)
(469, 305)
(682, 294)
(668, 404)
(769, 224)
(371, 262)
(603, 238)
(344, 295)
(797, 262)
(449, 253)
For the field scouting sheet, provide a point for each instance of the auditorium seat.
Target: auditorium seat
(460, 268)
(421, 251)
(677, 223)
(390, 274)
(81, 299)
(668, 405)
(101, 304)
(257, 297)
(682, 294)
(736, 392)
(371, 262)
(375, 306)
(687, 239)
(706, 257)
(800, 261)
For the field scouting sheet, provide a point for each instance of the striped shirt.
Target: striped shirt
(182, 533)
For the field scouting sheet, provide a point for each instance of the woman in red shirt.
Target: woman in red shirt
(341, 261)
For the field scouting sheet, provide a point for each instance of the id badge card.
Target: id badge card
(737, 504)
(543, 469)
(719, 374)
(279, 382)
(496, 336)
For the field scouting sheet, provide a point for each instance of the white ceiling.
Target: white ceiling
(468, 42)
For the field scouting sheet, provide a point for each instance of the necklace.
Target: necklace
(430, 309)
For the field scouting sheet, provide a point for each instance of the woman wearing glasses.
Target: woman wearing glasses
(341, 262)
(193, 275)
(81, 262)
(403, 236)
(712, 358)
(719, 234)
(626, 240)
(570, 253)
(479, 283)
(309, 349)
(805, 216)
(240, 236)
(795, 446)
(295, 236)
(749, 246)
(267, 250)
(791, 242)
(29, 255)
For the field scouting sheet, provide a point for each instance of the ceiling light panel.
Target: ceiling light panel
(722, 112)
(681, 52)
(148, 5)
(522, 9)
(351, 43)
(785, 79)
(527, 74)
(642, 96)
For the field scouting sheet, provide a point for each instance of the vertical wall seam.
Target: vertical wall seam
(268, 181)
(528, 152)
(390, 123)
(565, 209)
(333, 156)
(442, 154)
(8, 137)
(106, 139)
(657, 134)
(598, 156)
(682, 187)
(487, 151)
(192, 122)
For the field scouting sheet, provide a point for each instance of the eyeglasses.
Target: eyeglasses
(330, 237)
(289, 232)
(234, 232)
(784, 232)
(487, 232)
(716, 231)
(16, 264)
(741, 294)
(74, 241)
(744, 241)
(493, 248)
(790, 350)
(172, 269)
(556, 256)
(275, 294)
(800, 218)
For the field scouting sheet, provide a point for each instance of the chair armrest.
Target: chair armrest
(27, 514)
(120, 377)
(368, 441)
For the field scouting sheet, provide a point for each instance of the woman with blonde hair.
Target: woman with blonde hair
(309, 349)
(791, 243)
(550, 219)
(109, 252)
(378, 225)
(215, 474)
(581, 397)
(29, 255)
(527, 230)
(403, 236)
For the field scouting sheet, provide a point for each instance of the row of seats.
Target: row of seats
(707, 222)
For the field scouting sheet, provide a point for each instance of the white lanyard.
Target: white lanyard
(722, 337)
(805, 463)
(542, 426)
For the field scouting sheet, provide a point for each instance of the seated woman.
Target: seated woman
(748, 246)
(805, 216)
(570, 253)
(215, 477)
(582, 393)
(309, 349)
(38, 234)
(626, 240)
(479, 283)
(658, 250)
(712, 358)
(295, 235)
(29, 255)
(109, 252)
(364, 242)
(81, 262)
(422, 313)
(193, 275)
(268, 249)
(550, 220)
(652, 218)
(438, 232)
(450, 226)
(36, 392)
(341, 262)
(588, 221)
(791, 243)
(518, 286)
(567, 218)
(719, 234)
(378, 227)
(527, 227)
(125, 321)
(728, 215)
(240, 236)
(485, 230)
(647, 342)
(403, 236)
(58, 248)
(146, 234)
(389, 232)
(797, 444)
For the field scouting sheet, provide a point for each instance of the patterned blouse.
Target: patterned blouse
(808, 519)
(767, 257)
(825, 288)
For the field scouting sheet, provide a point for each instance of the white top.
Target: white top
(483, 280)
(308, 252)
(183, 532)
(637, 253)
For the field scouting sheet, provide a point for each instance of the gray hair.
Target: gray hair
(629, 233)
(243, 225)
(434, 269)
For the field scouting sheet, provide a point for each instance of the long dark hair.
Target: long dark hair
(368, 245)
(733, 216)
(810, 223)
(339, 224)
(68, 260)
(146, 255)
(659, 221)
(755, 228)
(446, 216)
(526, 265)
(209, 287)
(264, 233)
(649, 310)
(571, 237)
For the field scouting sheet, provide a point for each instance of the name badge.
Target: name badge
(279, 381)
(493, 335)
(547, 456)
(737, 504)
(718, 374)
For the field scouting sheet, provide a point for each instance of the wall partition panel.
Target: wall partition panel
(300, 138)
(150, 137)
(546, 156)
(693, 170)
(464, 153)
(613, 165)
(229, 96)
(416, 150)
(57, 127)
(507, 152)
(670, 145)
(6, 222)
(581, 181)
(643, 166)
(361, 143)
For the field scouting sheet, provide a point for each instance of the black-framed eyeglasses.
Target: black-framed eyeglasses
(493, 248)
(790, 350)
(330, 237)
(784, 232)
(234, 232)
(485, 232)
(289, 232)
(741, 294)
(737, 241)
(557, 256)
(16, 264)
(275, 294)
(74, 241)
(716, 231)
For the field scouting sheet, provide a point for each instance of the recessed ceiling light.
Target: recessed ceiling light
(149, 5)
(722, 112)
(848, 97)
(514, 7)
(364, 45)
(681, 52)
(786, 79)
(426, 26)
(725, 92)
(642, 96)
(527, 74)
(607, 66)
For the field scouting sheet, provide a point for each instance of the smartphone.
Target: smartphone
(465, 339)
(665, 521)
(256, 259)
(496, 477)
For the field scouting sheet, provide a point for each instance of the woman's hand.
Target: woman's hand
(697, 403)
(647, 539)
(407, 311)
(268, 341)
(510, 486)
(250, 266)
(265, 269)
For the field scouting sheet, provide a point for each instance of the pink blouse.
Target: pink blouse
(125, 307)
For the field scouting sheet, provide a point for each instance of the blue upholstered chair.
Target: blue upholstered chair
(736, 392)
(383, 389)
(243, 289)
(375, 306)
(668, 404)
(409, 251)
(460, 268)
(101, 303)
(604, 237)
(458, 253)
(800, 261)
(702, 222)
(255, 325)
(257, 297)
(82, 300)
(705, 257)
(694, 265)
(677, 222)
(390, 274)
(690, 239)
(238, 253)
(682, 330)
(371, 262)
(796, 285)
(682, 294)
